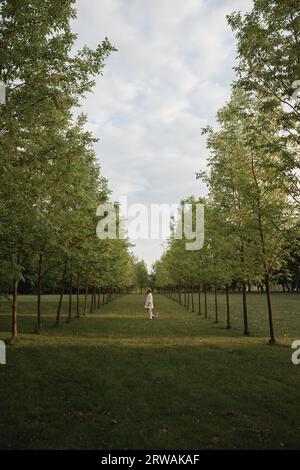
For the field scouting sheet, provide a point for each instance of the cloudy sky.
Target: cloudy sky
(171, 73)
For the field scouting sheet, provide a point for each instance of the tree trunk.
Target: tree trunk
(265, 264)
(77, 295)
(14, 331)
(245, 310)
(92, 300)
(86, 291)
(61, 294)
(270, 314)
(199, 300)
(205, 303)
(39, 292)
(99, 298)
(216, 305)
(188, 298)
(192, 294)
(70, 298)
(228, 326)
(95, 299)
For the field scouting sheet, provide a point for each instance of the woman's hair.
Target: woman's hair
(149, 290)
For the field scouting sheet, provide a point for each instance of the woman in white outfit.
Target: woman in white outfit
(149, 304)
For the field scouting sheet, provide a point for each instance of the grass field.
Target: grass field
(115, 380)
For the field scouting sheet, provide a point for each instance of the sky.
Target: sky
(171, 74)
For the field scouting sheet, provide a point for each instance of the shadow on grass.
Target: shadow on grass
(114, 395)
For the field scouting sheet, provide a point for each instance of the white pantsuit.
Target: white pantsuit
(149, 305)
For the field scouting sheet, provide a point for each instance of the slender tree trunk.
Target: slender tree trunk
(244, 293)
(77, 295)
(205, 302)
(86, 291)
(271, 326)
(95, 298)
(70, 298)
(245, 310)
(199, 300)
(99, 298)
(216, 305)
(192, 294)
(179, 292)
(14, 331)
(263, 246)
(62, 289)
(228, 326)
(184, 296)
(39, 292)
(92, 300)
(188, 298)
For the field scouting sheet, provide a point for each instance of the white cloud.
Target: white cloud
(170, 75)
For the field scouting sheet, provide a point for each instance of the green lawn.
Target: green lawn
(115, 380)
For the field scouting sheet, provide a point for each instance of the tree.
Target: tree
(268, 42)
(43, 82)
(142, 276)
(245, 183)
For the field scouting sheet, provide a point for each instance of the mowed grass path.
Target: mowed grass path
(115, 380)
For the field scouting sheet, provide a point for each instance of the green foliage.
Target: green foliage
(252, 209)
(141, 274)
(51, 183)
